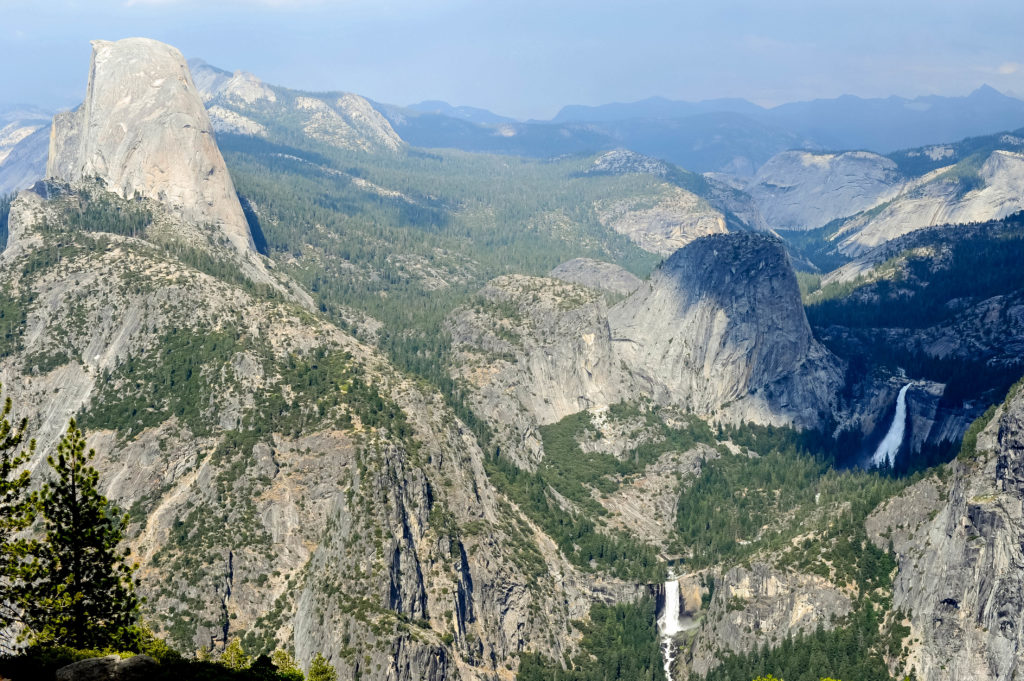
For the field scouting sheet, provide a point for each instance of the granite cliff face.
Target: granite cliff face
(686, 207)
(960, 559)
(289, 485)
(720, 329)
(870, 199)
(945, 296)
(757, 605)
(804, 190)
(957, 194)
(671, 220)
(534, 350)
(598, 275)
(142, 131)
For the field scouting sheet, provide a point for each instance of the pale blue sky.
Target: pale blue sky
(530, 57)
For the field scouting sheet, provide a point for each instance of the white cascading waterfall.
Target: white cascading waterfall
(890, 444)
(669, 624)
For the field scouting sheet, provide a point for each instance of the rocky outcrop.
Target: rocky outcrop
(228, 121)
(869, 202)
(624, 161)
(804, 190)
(688, 206)
(598, 275)
(346, 120)
(23, 148)
(673, 219)
(720, 329)
(142, 131)
(760, 605)
(109, 668)
(932, 272)
(241, 103)
(533, 351)
(961, 565)
(958, 194)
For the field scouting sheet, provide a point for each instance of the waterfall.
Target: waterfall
(669, 624)
(890, 445)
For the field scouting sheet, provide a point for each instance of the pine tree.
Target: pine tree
(82, 594)
(321, 670)
(15, 511)
(286, 666)
(234, 656)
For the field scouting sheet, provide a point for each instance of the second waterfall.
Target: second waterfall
(890, 445)
(669, 624)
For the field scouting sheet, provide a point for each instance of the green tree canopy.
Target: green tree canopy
(82, 594)
(321, 670)
(15, 510)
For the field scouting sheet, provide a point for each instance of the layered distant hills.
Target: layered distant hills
(723, 134)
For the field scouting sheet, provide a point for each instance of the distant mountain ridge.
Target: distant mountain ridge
(469, 113)
(652, 107)
(730, 135)
(893, 123)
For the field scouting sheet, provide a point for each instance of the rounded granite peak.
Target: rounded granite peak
(721, 327)
(143, 131)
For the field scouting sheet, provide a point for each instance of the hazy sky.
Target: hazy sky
(529, 57)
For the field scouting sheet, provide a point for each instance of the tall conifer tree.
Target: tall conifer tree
(15, 511)
(83, 594)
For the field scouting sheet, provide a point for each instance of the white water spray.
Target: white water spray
(669, 624)
(890, 445)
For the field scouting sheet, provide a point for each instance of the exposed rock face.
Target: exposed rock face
(804, 190)
(317, 530)
(241, 103)
(675, 218)
(228, 121)
(143, 131)
(723, 193)
(963, 325)
(23, 148)
(622, 161)
(720, 327)
(347, 121)
(596, 274)
(955, 195)
(961, 565)
(719, 331)
(534, 351)
(687, 207)
(109, 668)
(13, 134)
(758, 605)
(239, 87)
